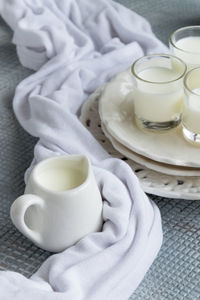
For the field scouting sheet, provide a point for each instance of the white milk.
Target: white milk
(158, 102)
(158, 74)
(61, 178)
(189, 51)
(191, 113)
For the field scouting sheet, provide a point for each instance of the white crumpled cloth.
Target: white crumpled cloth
(75, 46)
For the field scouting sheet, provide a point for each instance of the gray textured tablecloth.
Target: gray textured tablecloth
(175, 274)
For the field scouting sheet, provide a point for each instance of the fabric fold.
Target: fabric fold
(75, 46)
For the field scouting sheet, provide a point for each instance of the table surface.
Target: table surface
(175, 274)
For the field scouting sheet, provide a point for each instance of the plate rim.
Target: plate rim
(108, 124)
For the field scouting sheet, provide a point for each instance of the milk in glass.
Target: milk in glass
(191, 51)
(158, 91)
(191, 107)
(158, 103)
(191, 113)
(185, 44)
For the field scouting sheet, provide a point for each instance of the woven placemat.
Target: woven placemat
(175, 274)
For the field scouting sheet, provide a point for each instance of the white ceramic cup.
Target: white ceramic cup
(61, 204)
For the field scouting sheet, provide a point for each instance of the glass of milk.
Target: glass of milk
(191, 107)
(158, 91)
(185, 44)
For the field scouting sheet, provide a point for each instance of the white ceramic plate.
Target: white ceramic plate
(116, 113)
(151, 164)
(153, 182)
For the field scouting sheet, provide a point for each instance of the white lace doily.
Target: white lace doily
(152, 182)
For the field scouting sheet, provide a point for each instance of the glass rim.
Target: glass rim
(178, 30)
(157, 55)
(185, 82)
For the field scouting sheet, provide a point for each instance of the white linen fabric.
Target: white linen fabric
(75, 46)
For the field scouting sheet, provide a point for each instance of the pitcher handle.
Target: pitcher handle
(17, 214)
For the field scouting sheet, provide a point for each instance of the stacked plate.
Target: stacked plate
(165, 157)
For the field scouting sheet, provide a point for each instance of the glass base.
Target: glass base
(157, 126)
(191, 137)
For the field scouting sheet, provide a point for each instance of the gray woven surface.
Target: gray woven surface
(175, 274)
(16, 152)
(166, 16)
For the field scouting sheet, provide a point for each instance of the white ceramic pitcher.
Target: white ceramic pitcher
(61, 204)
